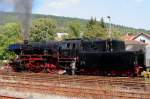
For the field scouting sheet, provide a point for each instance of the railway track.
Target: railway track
(80, 92)
(77, 79)
(8, 97)
(80, 80)
(81, 86)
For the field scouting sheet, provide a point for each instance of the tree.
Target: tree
(43, 29)
(91, 23)
(13, 30)
(95, 29)
(116, 34)
(102, 23)
(75, 29)
(9, 34)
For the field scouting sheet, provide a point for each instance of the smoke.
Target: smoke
(23, 10)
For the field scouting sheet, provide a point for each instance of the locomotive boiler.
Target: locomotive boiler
(78, 56)
(35, 57)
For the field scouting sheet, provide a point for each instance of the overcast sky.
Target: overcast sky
(132, 13)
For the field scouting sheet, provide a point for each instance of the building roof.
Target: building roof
(128, 37)
(132, 42)
(146, 35)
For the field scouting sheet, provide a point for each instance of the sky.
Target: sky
(131, 13)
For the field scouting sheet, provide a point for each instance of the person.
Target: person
(73, 66)
(138, 70)
(109, 45)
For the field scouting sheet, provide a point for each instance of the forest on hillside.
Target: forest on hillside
(62, 22)
(45, 27)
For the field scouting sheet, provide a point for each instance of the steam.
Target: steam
(23, 10)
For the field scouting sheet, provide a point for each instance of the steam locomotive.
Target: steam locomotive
(78, 56)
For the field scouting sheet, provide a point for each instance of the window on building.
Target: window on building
(142, 40)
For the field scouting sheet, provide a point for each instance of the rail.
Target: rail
(82, 86)
(8, 97)
(80, 92)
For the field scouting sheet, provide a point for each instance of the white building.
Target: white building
(145, 38)
(61, 35)
(140, 42)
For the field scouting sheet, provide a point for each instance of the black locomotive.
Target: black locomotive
(78, 56)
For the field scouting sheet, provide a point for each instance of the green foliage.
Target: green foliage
(43, 29)
(102, 23)
(75, 29)
(116, 34)
(95, 29)
(62, 23)
(12, 30)
(9, 34)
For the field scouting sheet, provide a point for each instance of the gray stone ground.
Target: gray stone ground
(29, 95)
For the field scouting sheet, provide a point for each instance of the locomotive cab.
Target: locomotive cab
(69, 48)
(68, 54)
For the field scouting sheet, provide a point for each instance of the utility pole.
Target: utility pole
(109, 32)
(46, 39)
(46, 34)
